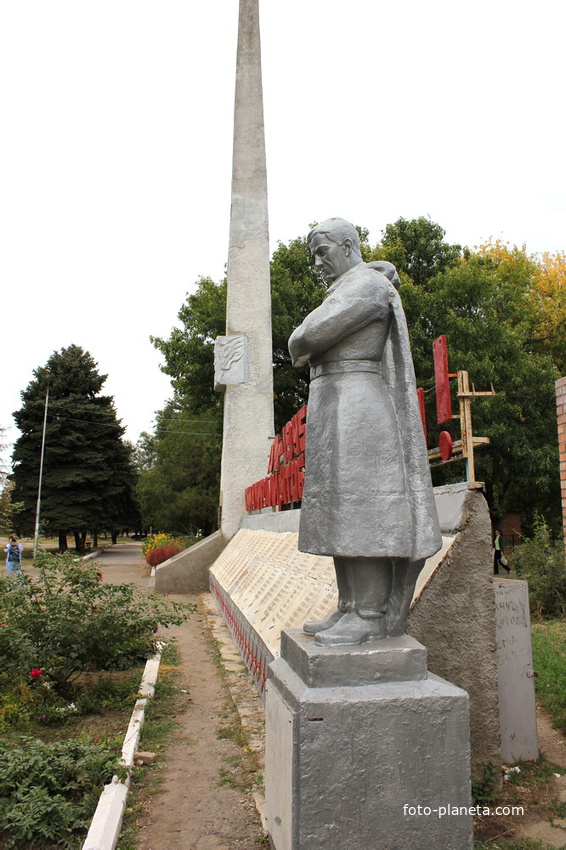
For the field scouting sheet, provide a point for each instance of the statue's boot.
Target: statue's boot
(315, 626)
(351, 630)
(405, 575)
(369, 580)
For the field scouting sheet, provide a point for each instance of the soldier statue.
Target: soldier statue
(368, 500)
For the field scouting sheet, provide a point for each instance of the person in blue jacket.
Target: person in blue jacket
(14, 556)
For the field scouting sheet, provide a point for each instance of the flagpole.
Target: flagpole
(38, 506)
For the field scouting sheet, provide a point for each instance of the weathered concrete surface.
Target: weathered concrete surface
(454, 617)
(517, 707)
(187, 572)
(269, 520)
(248, 406)
(342, 762)
(400, 659)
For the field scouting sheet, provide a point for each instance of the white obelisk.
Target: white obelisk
(243, 364)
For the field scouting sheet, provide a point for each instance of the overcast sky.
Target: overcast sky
(116, 147)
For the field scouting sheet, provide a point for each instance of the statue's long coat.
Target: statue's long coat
(368, 491)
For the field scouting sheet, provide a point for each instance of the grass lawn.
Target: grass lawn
(549, 659)
(533, 787)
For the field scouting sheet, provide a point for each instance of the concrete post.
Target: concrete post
(244, 356)
(364, 749)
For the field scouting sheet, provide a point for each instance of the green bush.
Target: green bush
(541, 561)
(156, 541)
(67, 621)
(49, 792)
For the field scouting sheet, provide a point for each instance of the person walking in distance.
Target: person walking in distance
(498, 556)
(14, 557)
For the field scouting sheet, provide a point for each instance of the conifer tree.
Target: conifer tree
(88, 475)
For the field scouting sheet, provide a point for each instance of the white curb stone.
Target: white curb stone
(107, 820)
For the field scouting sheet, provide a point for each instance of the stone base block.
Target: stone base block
(347, 765)
(393, 660)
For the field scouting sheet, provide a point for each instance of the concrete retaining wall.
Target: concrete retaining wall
(187, 572)
(454, 617)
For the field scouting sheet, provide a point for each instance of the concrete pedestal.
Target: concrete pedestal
(356, 740)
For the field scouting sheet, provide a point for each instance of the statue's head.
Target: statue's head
(335, 246)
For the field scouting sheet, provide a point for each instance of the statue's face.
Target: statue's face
(332, 259)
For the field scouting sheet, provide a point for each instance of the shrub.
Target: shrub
(541, 561)
(163, 553)
(48, 792)
(67, 621)
(158, 541)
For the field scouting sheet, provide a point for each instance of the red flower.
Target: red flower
(99, 575)
(35, 673)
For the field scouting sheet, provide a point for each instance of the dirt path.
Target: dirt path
(192, 810)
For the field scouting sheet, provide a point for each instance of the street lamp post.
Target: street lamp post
(38, 505)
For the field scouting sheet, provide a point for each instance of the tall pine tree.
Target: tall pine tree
(88, 475)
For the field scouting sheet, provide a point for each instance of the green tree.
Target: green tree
(416, 247)
(179, 472)
(88, 475)
(6, 487)
(296, 289)
(189, 351)
(483, 307)
(548, 296)
(7, 506)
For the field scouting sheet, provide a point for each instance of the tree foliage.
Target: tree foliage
(540, 560)
(179, 471)
(548, 297)
(88, 475)
(296, 289)
(416, 247)
(7, 507)
(189, 351)
(483, 308)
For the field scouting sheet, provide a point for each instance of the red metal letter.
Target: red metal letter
(442, 381)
